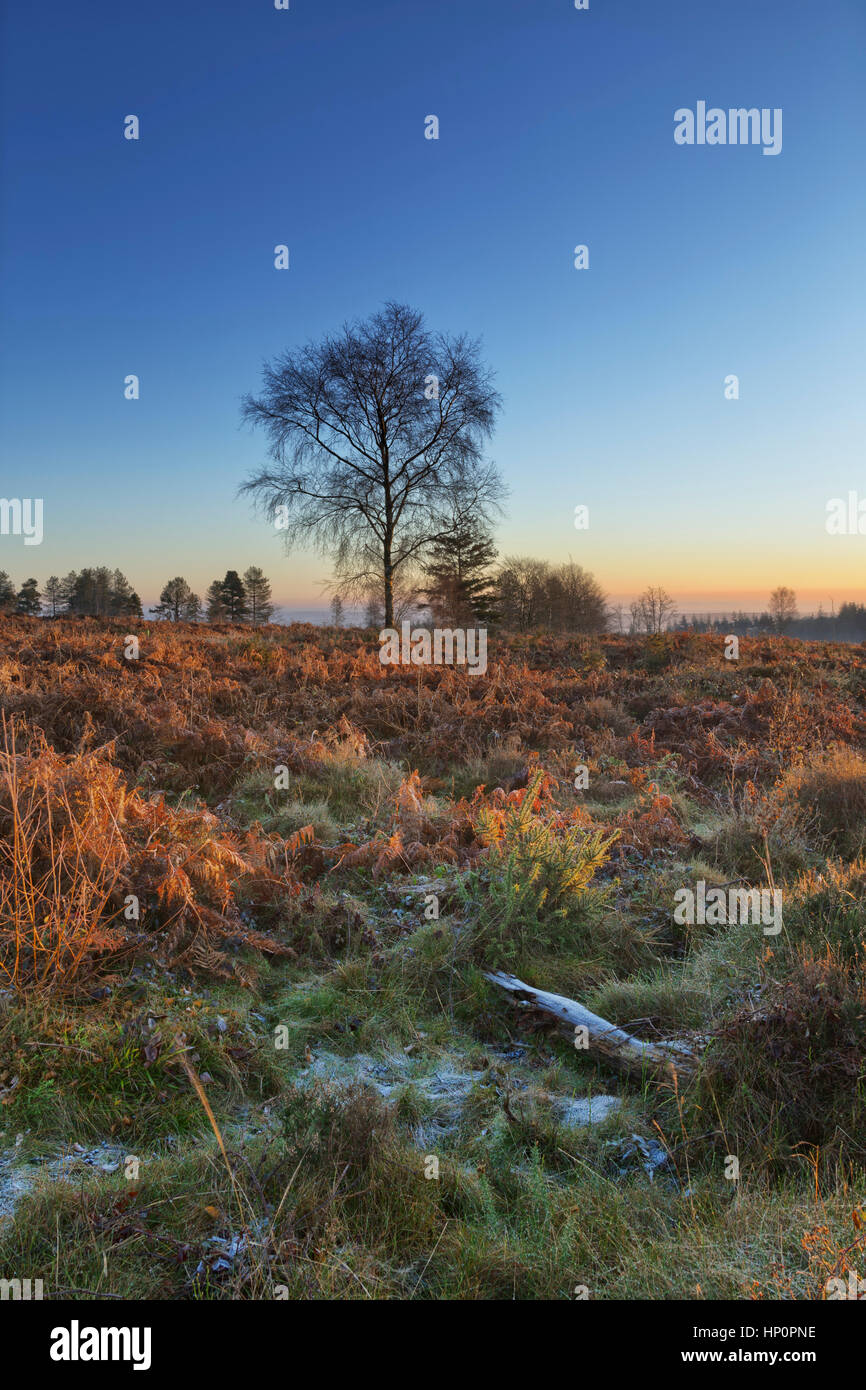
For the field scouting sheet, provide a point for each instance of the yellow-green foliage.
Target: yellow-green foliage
(537, 874)
(549, 867)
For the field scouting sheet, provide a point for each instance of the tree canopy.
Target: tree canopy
(371, 433)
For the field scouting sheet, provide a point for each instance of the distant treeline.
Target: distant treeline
(103, 593)
(460, 585)
(231, 599)
(848, 625)
(532, 594)
(87, 593)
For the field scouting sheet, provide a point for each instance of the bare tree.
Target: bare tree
(653, 611)
(531, 593)
(521, 585)
(615, 616)
(582, 607)
(374, 613)
(783, 607)
(407, 600)
(370, 434)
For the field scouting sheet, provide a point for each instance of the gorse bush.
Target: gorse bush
(535, 875)
(658, 651)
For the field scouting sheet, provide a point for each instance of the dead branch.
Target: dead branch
(626, 1051)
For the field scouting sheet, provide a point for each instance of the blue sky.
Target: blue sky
(306, 127)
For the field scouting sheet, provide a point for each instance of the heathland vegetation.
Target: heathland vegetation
(287, 934)
(252, 886)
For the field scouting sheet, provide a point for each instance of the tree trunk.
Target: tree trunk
(618, 1046)
(389, 588)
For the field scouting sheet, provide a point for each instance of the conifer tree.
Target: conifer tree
(178, 603)
(459, 587)
(29, 600)
(7, 593)
(258, 596)
(55, 594)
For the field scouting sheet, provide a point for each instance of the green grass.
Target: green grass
(322, 1187)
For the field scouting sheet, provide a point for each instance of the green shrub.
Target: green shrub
(534, 882)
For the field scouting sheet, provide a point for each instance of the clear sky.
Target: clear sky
(306, 127)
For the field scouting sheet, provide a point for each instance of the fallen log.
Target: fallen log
(618, 1046)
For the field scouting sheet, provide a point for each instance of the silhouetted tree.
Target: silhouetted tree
(615, 616)
(7, 593)
(653, 612)
(235, 597)
(258, 596)
(101, 593)
(68, 588)
(123, 601)
(178, 603)
(29, 599)
(227, 600)
(372, 433)
(374, 610)
(55, 594)
(535, 595)
(217, 611)
(457, 571)
(582, 604)
(89, 592)
(521, 591)
(783, 607)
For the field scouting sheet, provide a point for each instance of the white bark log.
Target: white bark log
(615, 1043)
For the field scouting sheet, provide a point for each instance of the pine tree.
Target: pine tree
(100, 593)
(7, 593)
(234, 597)
(89, 592)
(123, 601)
(29, 599)
(217, 611)
(55, 594)
(178, 603)
(227, 600)
(68, 588)
(258, 596)
(457, 569)
(337, 613)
